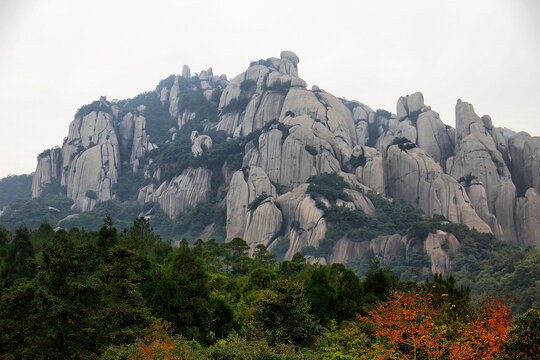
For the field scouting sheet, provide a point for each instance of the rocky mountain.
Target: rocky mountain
(249, 148)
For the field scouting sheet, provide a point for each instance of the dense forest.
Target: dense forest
(130, 295)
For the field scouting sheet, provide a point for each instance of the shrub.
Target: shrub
(91, 194)
(310, 149)
(467, 180)
(328, 185)
(413, 116)
(235, 105)
(279, 86)
(44, 153)
(403, 143)
(258, 200)
(383, 113)
(248, 85)
(289, 113)
(359, 160)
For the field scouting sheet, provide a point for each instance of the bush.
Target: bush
(91, 194)
(383, 114)
(403, 143)
(413, 116)
(258, 200)
(248, 85)
(237, 105)
(310, 149)
(467, 180)
(282, 87)
(359, 160)
(328, 185)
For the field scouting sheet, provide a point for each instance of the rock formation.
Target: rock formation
(264, 132)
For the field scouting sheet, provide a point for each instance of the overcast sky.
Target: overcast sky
(57, 55)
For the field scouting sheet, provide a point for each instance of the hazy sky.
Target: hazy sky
(57, 55)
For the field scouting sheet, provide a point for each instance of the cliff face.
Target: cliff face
(250, 144)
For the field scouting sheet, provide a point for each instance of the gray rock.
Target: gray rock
(186, 72)
(181, 193)
(415, 177)
(48, 170)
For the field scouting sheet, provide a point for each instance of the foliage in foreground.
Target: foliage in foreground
(129, 295)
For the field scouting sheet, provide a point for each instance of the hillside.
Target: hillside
(263, 158)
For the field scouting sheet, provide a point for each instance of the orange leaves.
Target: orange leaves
(409, 326)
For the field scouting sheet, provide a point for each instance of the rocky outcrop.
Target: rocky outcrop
(244, 218)
(47, 171)
(305, 225)
(93, 175)
(181, 193)
(199, 143)
(528, 215)
(371, 174)
(141, 143)
(416, 178)
(434, 137)
(478, 155)
(263, 223)
(94, 128)
(438, 246)
(525, 154)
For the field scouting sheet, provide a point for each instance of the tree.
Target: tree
(524, 339)
(182, 295)
(122, 310)
(321, 296)
(18, 261)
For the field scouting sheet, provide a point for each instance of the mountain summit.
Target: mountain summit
(263, 158)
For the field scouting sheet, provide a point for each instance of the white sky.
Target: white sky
(57, 55)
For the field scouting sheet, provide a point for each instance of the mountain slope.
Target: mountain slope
(202, 156)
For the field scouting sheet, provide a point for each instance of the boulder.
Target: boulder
(372, 173)
(93, 175)
(528, 215)
(186, 72)
(47, 171)
(525, 154)
(305, 225)
(183, 192)
(477, 155)
(415, 177)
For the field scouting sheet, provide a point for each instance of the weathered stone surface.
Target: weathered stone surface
(289, 55)
(263, 224)
(345, 250)
(528, 215)
(141, 143)
(372, 173)
(525, 153)
(93, 175)
(47, 171)
(237, 204)
(434, 246)
(186, 72)
(262, 109)
(199, 143)
(241, 193)
(477, 195)
(306, 225)
(181, 193)
(434, 137)
(387, 247)
(477, 155)
(416, 178)
(173, 98)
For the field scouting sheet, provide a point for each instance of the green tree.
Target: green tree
(321, 296)
(122, 312)
(18, 261)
